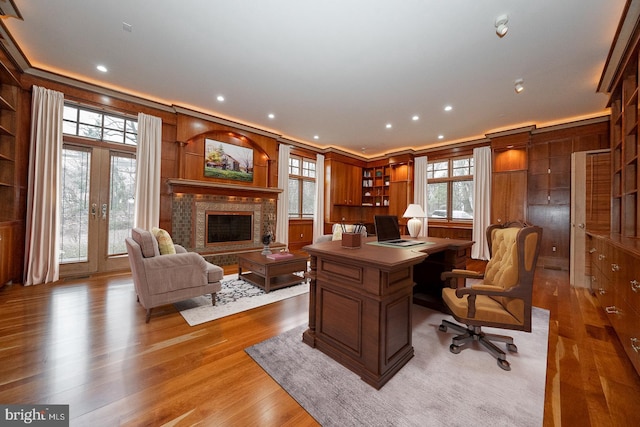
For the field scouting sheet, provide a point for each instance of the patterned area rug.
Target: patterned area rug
(435, 388)
(236, 296)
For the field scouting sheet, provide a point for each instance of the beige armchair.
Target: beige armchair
(503, 298)
(165, 279)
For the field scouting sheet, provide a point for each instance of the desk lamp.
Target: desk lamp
(414, 225)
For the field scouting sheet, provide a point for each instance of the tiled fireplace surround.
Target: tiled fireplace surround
(189, 230)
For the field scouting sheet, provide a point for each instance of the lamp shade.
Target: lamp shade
(414, 211)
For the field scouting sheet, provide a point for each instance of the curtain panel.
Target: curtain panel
(420, 193)
(318, 213)
(148, 155)
(42, 247)
(481, 202)
(282, 216)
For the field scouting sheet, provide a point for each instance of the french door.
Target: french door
(98, 188)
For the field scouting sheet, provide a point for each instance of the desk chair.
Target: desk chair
(503, 298)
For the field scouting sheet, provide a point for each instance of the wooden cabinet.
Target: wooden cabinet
(344, 183)
(300, 233)
(615, 271)
(7, 253)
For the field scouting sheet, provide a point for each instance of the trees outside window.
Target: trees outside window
(450, 189)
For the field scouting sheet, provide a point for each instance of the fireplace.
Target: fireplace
(228, 227)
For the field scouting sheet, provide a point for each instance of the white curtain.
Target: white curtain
(45, 163)
(481, 202)
(282, 217)
(420, 194)
(147, 198)
(318, 213)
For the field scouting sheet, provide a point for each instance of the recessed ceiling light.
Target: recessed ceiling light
(448, 108)
(101, 68)
(389, 126)
(440, 136)
(415, 118)
(220, 98)
(271, 116)
(519, 85)
(316, 137)
(127, 27)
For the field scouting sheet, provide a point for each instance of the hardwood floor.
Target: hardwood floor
(85, 343)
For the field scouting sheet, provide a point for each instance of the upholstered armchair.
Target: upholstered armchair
(502, 297)
(165, 279)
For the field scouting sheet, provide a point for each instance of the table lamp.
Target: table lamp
(414, 225)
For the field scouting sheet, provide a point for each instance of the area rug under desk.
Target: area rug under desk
(435, 388)
(235, 296)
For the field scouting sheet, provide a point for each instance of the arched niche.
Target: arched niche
(195, 156)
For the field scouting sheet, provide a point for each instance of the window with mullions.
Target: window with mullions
(302, 187)
(450, 189)
(87, 123)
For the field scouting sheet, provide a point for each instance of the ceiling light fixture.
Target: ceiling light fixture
(448, 108)
(415, 118)
(389, 126)
(271, 116)
(440, 136)
(101, 68)
(316, 137)
(501, 25)
(519, 85)
(220, 98)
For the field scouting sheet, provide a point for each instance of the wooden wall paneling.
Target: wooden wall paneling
(509, 199)
(598, 184)
(554, 247)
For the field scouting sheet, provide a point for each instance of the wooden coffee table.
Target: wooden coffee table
(270, 274)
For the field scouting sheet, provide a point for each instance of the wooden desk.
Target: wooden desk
(360, 304)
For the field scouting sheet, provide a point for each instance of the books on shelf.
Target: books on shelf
(280, 255)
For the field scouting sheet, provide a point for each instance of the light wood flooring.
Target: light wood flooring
(85, 343)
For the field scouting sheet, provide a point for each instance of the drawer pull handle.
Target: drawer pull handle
(615, 267)
(634, 345)
(600, 257)
(601, 291)
(635, 285)
(612, 309)
(592, 250)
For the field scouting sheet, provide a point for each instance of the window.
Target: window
(81, 121)
(302, 187)
(450, 189)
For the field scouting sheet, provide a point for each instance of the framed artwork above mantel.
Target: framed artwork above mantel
(227, 161)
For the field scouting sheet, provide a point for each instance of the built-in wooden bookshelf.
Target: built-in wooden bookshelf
(8, 105)
(375, 186)
(624, 148)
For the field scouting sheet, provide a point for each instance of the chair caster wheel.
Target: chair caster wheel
(512, 348)
(442, 328)
(455, 349)
(504, 364)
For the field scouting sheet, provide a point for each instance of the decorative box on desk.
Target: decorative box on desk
(351, 240)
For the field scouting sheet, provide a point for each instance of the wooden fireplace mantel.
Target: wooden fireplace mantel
(191, 186)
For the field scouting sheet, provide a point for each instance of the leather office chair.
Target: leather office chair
(165, 279)
(503, 298)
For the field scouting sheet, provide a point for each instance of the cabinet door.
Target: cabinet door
(509, 196)
(5, 254)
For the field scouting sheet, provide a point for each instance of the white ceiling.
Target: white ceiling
(339, 69)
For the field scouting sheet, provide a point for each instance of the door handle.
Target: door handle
(104, 211)
(93, 210)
